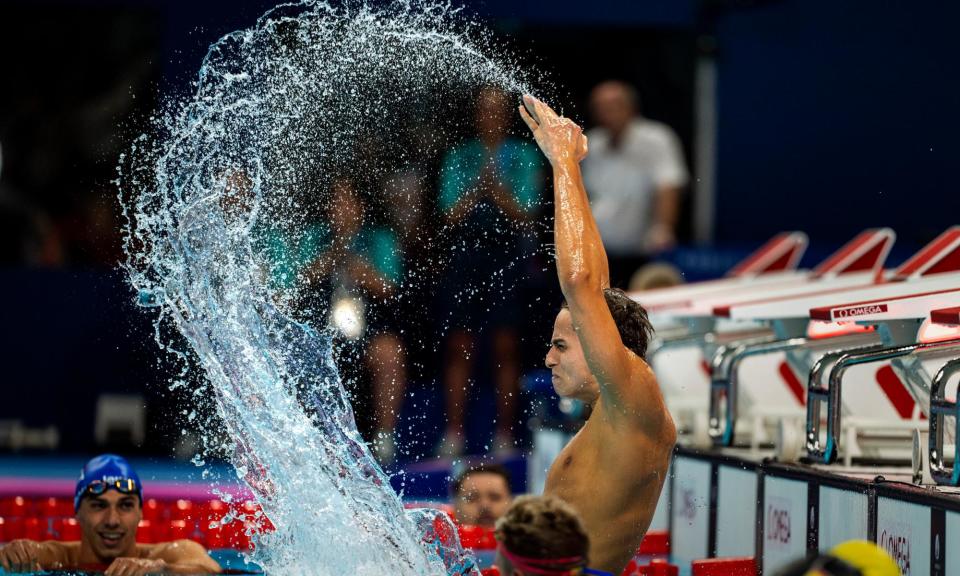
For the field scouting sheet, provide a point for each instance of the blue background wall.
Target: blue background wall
(835, 116)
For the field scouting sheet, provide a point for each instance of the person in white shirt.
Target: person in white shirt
(635, 174)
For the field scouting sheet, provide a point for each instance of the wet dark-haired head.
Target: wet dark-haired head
(631, 320)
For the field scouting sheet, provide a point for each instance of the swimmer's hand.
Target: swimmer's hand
(136, 567)
(559, 138)
(20, 556)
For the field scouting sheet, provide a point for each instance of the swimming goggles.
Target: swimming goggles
(121, 485)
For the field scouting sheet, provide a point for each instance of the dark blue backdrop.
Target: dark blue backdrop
(835, 116)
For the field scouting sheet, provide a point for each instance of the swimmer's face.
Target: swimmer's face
(567, 364)
(108, 525)
(484, 497)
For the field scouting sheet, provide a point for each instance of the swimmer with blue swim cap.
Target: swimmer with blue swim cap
(106, 472)
(612, 471)
(108, 502)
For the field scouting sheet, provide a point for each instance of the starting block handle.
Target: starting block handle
(818, 393)
(940, 409)
(725, 383)
(834, 399)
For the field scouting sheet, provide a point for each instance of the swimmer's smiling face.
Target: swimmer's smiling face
(108, 524)
(567, 364)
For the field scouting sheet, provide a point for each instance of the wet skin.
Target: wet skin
(108, 531)
(614, 468)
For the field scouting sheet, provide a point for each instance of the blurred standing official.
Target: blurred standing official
(635, 174)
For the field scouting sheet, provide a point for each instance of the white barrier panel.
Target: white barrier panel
(661, 516)
(736, 512)
(953, 556)
(903, 530)
(843, 516)
(547, 444)
(784, 522)
(690, 510)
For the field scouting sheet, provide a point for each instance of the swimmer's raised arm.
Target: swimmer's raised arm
(584, 274)
(581, 258)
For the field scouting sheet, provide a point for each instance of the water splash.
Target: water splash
(278, 109)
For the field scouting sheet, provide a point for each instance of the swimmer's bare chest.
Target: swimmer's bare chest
(614, 487)
(595, 470)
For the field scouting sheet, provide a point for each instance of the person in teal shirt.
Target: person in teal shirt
(489, 194)
(351, 269)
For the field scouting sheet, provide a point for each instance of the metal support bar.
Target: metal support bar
(941, 408)
(829, 453)
(725, 378)
(818, 393)
(722, 426)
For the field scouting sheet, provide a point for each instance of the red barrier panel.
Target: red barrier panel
(213, 511)
(182, 510)
(46, 507)
(13, 527)
(658, 567)
(179, 530)
(154, 510)
(145, 534)
(15, 506)
(725, 567)
(477, 537)
(655, 543)
(70, 531)
(51, 528)
(54, 507)
(33, 528)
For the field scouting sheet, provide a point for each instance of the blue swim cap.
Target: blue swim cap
(110, 472)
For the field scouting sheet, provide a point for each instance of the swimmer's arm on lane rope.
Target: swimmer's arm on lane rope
(584, 273)
(184, 557)
(24, 555)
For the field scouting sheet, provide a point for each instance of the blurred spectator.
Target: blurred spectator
(27, 236)
(634, 174)
(655, 275)
(352, 268)
(489, 188)
(541, 535)
(481, 495)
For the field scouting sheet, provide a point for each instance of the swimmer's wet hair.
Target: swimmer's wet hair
(497, 469)
(631, 320)
(543, 527)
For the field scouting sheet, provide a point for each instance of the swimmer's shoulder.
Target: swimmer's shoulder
(160, 548)
(642, 409)
(172, 551)
(62, 553)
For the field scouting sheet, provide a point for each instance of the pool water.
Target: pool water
(230, 560)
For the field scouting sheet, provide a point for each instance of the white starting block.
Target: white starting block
(896, 317)
(886, 413)
(729, 502)
(682, 365)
